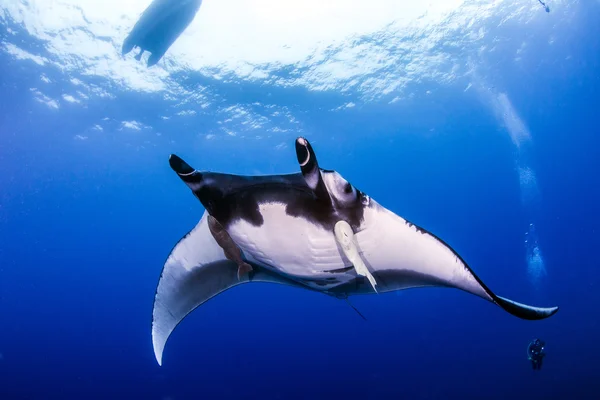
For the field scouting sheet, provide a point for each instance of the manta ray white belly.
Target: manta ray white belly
(292, 245)
(389, 242)
(295, 246)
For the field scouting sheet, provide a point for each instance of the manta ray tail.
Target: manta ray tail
(355, 309)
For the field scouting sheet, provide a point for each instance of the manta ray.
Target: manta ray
(159, 26)
(311, 229)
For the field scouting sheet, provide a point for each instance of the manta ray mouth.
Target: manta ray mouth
(181, 167)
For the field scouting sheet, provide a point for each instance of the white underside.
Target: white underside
(287, 244)
(385, 241)
(197, 269)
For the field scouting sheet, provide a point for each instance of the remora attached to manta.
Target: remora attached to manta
(290, 229)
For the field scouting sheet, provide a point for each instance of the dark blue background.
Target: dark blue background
(85, 228)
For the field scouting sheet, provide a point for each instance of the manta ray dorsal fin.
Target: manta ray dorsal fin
(310, 169)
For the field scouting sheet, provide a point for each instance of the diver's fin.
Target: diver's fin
(355, 309)
(345, 237)
(139, 55)
(195, 271)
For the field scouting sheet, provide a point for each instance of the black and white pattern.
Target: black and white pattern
(284, 225)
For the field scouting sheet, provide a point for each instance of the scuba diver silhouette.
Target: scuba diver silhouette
(535, 353)
(545, 6)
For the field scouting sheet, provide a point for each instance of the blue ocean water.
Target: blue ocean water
(477, 121)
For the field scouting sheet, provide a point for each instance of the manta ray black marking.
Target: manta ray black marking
(232, 197)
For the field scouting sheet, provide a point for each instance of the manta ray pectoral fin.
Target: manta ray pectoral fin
(310, 169)
(345, 237)
(195, 271)
(402, 255)
(523, 310)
